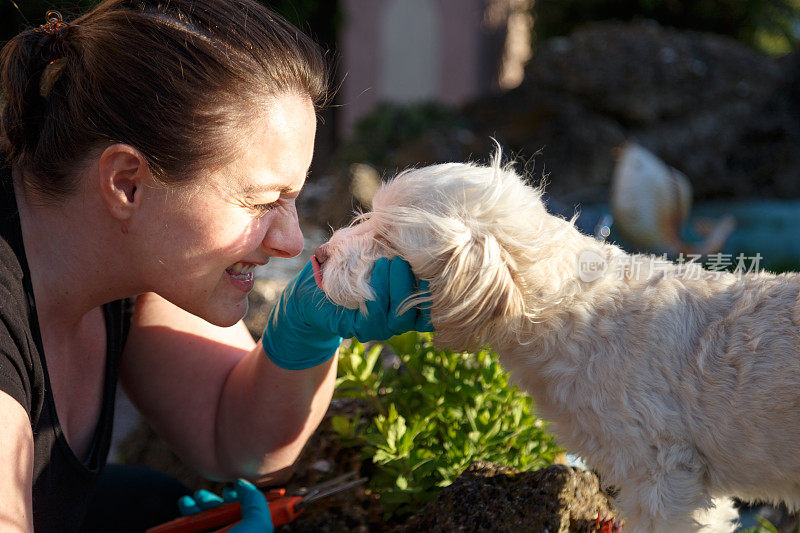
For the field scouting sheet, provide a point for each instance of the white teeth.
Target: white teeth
(242, 268)
(243, 277)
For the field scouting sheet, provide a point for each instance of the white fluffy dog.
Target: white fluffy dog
(676, 383)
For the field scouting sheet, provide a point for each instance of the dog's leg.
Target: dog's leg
(662, 502)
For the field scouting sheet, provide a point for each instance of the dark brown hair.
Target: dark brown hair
(175, 79)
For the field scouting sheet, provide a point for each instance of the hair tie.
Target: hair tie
(55, 23)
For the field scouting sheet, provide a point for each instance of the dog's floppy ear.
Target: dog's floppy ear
(477, 294)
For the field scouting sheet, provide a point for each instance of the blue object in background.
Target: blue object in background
(770, 228)
(767, 227)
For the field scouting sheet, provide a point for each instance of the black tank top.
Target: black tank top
(62, 484)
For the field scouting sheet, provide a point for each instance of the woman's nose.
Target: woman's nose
(284, 238)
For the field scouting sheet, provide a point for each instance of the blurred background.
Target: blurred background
(705, 90)
(670, 126)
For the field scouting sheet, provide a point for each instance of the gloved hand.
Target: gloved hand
(255, 510)
(305, 328)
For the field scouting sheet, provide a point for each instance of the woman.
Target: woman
(155, 150)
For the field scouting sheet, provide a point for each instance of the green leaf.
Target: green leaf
(382, 456)
(342, 426)
(396, 430)
(766, 524)
(437, 412)
(401, 482)
(369, 362)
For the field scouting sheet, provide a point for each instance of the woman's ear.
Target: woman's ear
(122, 172)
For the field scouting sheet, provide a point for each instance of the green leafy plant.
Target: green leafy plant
(389, 126)
(437, 412)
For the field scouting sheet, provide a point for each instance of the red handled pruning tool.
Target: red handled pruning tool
(282, 508)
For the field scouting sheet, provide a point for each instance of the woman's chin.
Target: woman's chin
(224, 314)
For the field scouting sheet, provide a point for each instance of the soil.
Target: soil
(486, 497)
(323, 458)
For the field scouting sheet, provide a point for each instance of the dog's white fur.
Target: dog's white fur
(677, 386)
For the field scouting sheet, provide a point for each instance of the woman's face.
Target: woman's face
(214, 233)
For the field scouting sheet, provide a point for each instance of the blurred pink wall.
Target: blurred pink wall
(411, 51)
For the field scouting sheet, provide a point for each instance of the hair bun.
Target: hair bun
(55, 23)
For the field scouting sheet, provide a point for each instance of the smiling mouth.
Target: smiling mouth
(247, 276)
(241, 271)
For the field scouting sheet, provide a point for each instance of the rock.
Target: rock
(643, 73)
(493, 498)
(720, 112)
(552, 135)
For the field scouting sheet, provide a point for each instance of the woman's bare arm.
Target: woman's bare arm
(214, 395)
(16, 467)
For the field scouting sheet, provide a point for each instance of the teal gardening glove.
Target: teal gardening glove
(305, 328)
(255, 509)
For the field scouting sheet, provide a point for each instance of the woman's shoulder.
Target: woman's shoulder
(18, 358)
(13, 299)
(11, 248)
(11, 274)
(19, 365)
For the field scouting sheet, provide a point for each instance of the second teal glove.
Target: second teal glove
(255, 509)
(305, 328)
